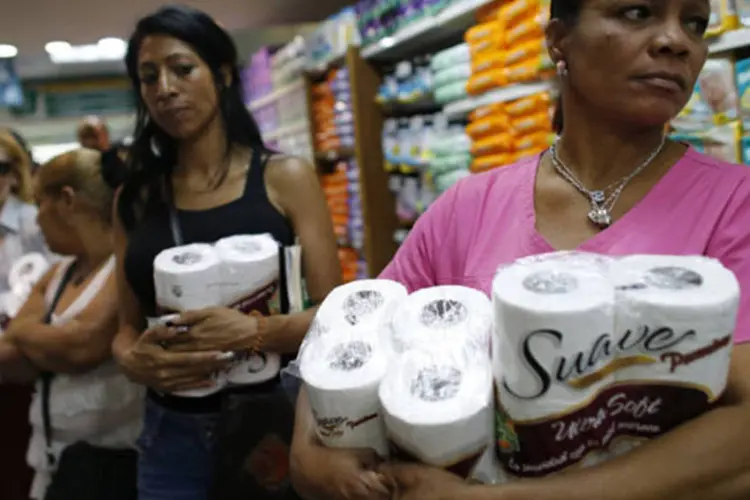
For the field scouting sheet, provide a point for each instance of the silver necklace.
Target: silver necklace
(601, 203)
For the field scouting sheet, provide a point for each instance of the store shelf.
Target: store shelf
(730, 40)
(335, 155)
(276, 95)
(450, 23)
(460, 109)
(321, 68)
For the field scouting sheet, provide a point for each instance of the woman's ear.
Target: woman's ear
(556, 35)
(67, 200)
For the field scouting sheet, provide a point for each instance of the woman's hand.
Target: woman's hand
(214, 329)
(148, 363)
(320, 473)
(421, 482)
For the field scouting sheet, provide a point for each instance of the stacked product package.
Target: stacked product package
(504, 133)
(378, 19)
(409, 82)
(712, 120)
(577, 359)
(451, 69)
(24, 274)
(507, 45)
(341, 188)
(333, 115)
(332, 38)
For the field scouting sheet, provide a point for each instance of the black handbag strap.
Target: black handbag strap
(46, 376)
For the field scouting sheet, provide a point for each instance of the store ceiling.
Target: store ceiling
(30, 24)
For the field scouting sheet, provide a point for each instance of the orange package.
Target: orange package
(512, 13)
(528, 105)
(533, 143)
(528, 29)
(481, 32)
(485, 163)
(487, 60)
(483, 82)
(496, 144)
(492, 42)
(494, 124)
(496, 108)
(527, 71)
(490, 11)
(529, 50)
(538, 122)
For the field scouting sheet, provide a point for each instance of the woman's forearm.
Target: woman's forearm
(58, 348)
(284, 333)
(707, 458)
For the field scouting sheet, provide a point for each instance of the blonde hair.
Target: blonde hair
(81, 170)
(21, 165)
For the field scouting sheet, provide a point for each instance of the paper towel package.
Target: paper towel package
(342, 373)
(27, 270)
(362, 302)
(454, 314)
(592, 356)
(219, 379)
(250, 283)
(437, 407)
(188, 277)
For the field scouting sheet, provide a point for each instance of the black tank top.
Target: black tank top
(251, 213)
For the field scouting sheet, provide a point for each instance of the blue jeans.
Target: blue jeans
(176, 454)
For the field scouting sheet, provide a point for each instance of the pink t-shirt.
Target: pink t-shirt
(700, 207)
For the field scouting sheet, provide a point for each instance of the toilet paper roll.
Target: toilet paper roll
(454, 314)
(188, 277)
(250, 266)
(437, 407)
(342, 374)
(549, 315)
(361, 303)
(679, 314)
(219, 378)
(27, 270)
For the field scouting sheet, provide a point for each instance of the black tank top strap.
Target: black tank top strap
(256, 180)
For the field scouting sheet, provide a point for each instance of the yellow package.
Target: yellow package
(485, 163)
(526, 71)
(532, 143)
(528, 105)
(516, 10)
(483, 82)
(487, 60)
(481, 32)
(492, 125)
(490, 43)
(528, 29)
(723, 17)
(492, 145)
(538, 122)
(496, 108)
(528, 50)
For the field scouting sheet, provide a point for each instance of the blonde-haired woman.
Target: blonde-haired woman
(83, 443)
(19, 235)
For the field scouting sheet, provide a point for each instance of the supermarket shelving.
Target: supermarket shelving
(446, 25)
(462, 108)
(276, 95)
(731, 40)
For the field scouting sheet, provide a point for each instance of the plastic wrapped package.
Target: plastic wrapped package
(437, 407)
(593, 355)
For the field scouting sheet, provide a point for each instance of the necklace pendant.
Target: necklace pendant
(597, 196)
(600, 217)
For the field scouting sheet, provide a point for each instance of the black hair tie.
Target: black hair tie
(113, 168)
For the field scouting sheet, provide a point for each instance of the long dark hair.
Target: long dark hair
(566, 11)
(153, 152)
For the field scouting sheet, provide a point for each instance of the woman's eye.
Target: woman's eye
(698, 25)
(638, 13)
(148, 78)
(184, 70)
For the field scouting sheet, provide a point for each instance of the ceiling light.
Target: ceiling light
(112, 44)
(7, 51)
(57, 47)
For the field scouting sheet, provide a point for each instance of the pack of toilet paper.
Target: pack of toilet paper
(241, 272)
(23, 275)
(592, 356)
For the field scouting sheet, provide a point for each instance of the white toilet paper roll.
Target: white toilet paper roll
(27, 270)
(342, 374)
(250, 265)
(219, 378)
(454, 314)
(188, 277)
(361, 302)
(680, 312)
(548, 317)
(437, 406)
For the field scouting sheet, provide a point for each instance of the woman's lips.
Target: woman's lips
(664, 83)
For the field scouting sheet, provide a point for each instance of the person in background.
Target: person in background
(90, 400)
(195, 138)
(626, 68)
(94, 134)
(19, 235)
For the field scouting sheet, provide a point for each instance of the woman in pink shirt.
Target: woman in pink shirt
(610, 185)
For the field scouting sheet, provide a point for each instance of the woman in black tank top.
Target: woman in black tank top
(198, 159)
